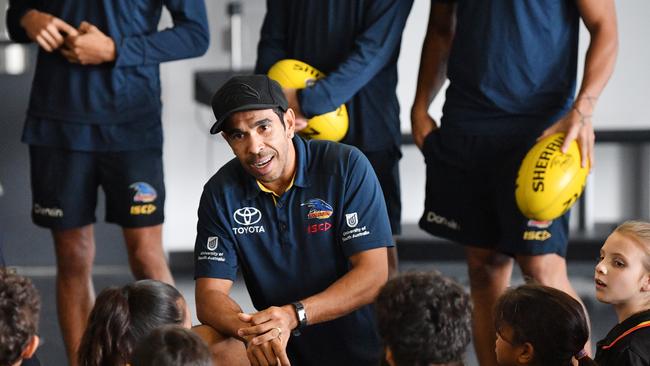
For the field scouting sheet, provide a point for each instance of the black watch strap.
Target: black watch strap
(302, 317)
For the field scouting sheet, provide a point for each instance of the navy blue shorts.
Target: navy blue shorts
(470, 195)
(386, 166)
(64, 187)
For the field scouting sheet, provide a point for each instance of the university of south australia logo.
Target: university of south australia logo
(213, 243)
(352, 219)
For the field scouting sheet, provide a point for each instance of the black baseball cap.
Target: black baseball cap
(244, 93)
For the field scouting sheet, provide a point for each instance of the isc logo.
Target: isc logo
(147, 209)
(316, 228)
(536, 235)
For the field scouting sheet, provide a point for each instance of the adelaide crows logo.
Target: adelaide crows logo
(318, 209)
(144, 192)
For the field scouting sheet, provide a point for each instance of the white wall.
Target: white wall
(624, 102)
(192, 155)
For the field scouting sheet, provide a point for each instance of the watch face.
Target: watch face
(302, 315)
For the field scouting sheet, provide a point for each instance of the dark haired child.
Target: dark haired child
(540, 326)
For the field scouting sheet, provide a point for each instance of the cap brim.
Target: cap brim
(216, 127)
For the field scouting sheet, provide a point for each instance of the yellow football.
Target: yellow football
(550, 182)
(296, 74)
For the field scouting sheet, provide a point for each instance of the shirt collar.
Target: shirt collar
(302, 162)
(263, 188)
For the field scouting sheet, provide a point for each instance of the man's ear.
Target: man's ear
(290, 122)
(526, 353)
(31, 347)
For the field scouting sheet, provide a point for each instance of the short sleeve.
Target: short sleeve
(215, 254)
(365, 223)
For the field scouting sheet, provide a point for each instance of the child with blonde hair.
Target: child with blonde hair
(622, 279)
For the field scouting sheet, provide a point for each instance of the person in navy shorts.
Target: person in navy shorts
(306, 224)
(512, 71)
(94, 119)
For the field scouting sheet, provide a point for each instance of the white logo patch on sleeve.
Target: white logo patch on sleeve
(351, 219)
(213, 243)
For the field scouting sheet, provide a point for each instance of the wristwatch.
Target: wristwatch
(302, 317)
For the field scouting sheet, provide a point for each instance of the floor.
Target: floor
(52, 351)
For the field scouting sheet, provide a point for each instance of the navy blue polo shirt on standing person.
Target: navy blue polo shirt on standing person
(113, 106)
(356, 43)
(296, 245)
(512, 67)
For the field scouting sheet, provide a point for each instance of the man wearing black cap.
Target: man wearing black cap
(356, 44)
(304, 221)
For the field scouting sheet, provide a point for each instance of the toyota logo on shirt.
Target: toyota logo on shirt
(247, 216)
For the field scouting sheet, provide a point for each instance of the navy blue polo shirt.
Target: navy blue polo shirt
(113, 106)
(356, 43)
(297, 245)
(512, 67)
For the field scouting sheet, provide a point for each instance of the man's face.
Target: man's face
(262, 143)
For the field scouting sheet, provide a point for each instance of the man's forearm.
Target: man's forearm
(600, 20)
(356, 288)
(435, 53)
(374, 50)
(599, 65)
(219, 311)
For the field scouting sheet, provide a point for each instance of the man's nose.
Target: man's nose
(255, 144)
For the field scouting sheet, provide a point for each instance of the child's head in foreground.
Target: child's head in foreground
(540, 325)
